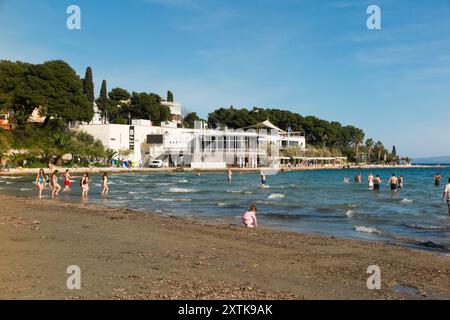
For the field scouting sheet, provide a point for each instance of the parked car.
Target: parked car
(156, 164)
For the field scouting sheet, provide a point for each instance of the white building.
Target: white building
(201, 147)
(175, 111)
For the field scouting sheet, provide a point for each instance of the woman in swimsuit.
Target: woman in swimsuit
(40, 182)
(85, 186)
(55, 185)
(105, 188)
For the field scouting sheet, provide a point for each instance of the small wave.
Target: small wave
(406, 200)
(164, 183)
(182, 190)
(25, 189)
(350, 213)
(162, 199)
(8, 182)
(248, 192)
(365, 229)
(136, 192)
(222, 204)
(276, 196)
(421, 227)
(183, 181)
(184, 200)
(431, 244)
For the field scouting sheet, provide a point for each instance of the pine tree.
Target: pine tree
(88, 85)
(103, 99)
(169, 96)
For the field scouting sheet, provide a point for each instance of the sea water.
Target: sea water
(315, 202)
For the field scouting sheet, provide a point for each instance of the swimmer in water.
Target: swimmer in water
(346, 180)
(263, 181)
(358, 178)
(446, 196)
(377, 183)
(370, 179)
(249, 218)
(393, 181)
(401, 181)
(229, 175)
(437, 179)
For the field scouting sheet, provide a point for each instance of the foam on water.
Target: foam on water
(182, 190)
(350, 213)
(365, 229)
(406, 200)
(276, 196)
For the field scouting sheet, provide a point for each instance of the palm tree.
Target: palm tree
(379, 147)
(369, 146)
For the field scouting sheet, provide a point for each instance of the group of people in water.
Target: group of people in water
(375, 181)
(43, 181)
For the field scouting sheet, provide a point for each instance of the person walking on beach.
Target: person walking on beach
(40, 182)
(55, 185)
(446, 195)
(66, 181)
(84, 186)
(370, 179)
(437, 179)
(249, 218)
(393, 181)
(377, 183)
(105, 188)
(229, 175)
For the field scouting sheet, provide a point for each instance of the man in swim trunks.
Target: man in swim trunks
(393, 181)
(446, 195)
(377, 182)
(437, 179)
(66, 181)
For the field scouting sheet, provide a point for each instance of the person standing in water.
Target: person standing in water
(249, 218)
(40, 182)
(370, 179)
(85, 186)
(393, 181)
(55, 185)
(263, 180)
(105, 188)
(401, 181)
(66, 181)
(229, 175)
(446, 196)
(437, 179)
(358, 178)
(377, 183)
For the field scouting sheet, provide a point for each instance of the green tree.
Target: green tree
(379, 147)
(190, 118)
(369, 146)
(169, 96)
(88, 85)
(102, 101)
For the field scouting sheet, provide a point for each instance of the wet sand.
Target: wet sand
(129, 255)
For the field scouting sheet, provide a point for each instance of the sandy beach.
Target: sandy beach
(130, 255)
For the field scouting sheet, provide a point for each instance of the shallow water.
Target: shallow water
(305, 201)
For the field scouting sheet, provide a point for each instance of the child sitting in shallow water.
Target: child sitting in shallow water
(249, 218)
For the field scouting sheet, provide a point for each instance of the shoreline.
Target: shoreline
(126, 254)
(114, 170)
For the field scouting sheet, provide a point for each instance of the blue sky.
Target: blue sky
(308, 56)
